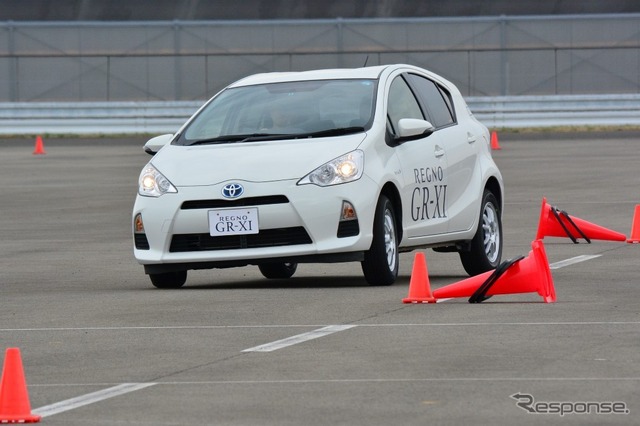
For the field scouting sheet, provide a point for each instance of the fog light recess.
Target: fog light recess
(348, 225)
(139, 237)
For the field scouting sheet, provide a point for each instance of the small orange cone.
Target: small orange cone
(494, 141)
(557, 223)
(14, 399)
(519, 275)
(39, 149)
(419, 287)
(635, 226)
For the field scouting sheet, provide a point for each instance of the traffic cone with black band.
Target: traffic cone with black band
(520, 275)
(557, 223)
(14, 399)
(39, 148)
(419, 287)
(635, 227)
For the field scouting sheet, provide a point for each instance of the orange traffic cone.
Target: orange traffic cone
(419, 287)
(519, 275)
(635, 226)
(494, 141)
(557, 223)
(39, 149)
(14, 399)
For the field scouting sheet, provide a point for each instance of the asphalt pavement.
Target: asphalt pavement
(101, 346)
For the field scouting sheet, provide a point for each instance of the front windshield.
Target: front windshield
(281, 109)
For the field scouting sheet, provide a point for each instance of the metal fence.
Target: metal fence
(156, 117)
(191, 60)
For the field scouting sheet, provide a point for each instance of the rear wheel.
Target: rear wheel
(278, 270)
(485, 251)
(169, 279)
(380, 265)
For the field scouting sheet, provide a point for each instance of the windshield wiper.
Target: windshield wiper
(222, 139)
(338, 131)
(255, 137)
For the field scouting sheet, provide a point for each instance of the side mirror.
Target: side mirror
(413, 128)
(153, 145)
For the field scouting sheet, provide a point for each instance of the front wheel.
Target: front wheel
(169, 279)
(278, 270)
(485, 251)
(380, 264)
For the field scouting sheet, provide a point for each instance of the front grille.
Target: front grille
(242, 202)
(141, 242)
(265, 238)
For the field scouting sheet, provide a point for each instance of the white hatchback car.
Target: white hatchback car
(341, 165)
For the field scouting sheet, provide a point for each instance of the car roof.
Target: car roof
(322, 74)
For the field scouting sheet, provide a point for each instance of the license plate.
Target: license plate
(233, 221)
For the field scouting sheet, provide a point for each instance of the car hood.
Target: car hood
(250, 161)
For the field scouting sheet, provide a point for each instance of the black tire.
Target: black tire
(169, 279)
(485, 251)
(278, 270)
(380, 264)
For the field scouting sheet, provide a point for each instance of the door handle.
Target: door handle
(471, 138)
(439, 152)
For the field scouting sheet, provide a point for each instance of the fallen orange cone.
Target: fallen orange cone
(557, 223)
(635, 226)
(519, 275)
(39, 148)
(419, 287)
(14, 399)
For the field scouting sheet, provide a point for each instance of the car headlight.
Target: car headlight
(346, 168)
(152, 183)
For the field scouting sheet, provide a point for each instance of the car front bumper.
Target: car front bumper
(304, 228)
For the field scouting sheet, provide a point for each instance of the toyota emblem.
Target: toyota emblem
(232, 190)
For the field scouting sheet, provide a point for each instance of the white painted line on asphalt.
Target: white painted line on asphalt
(406, 380)
(166, 327)
(90, 398)
(299, 338)
(573, 260)
(217, 327)
(493, 324)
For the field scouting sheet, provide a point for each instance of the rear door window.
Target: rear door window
(436, 100)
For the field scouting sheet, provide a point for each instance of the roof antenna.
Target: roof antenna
(365, 61)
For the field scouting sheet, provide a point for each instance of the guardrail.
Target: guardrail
(166, 117)
(551, 111)
(94, 117)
